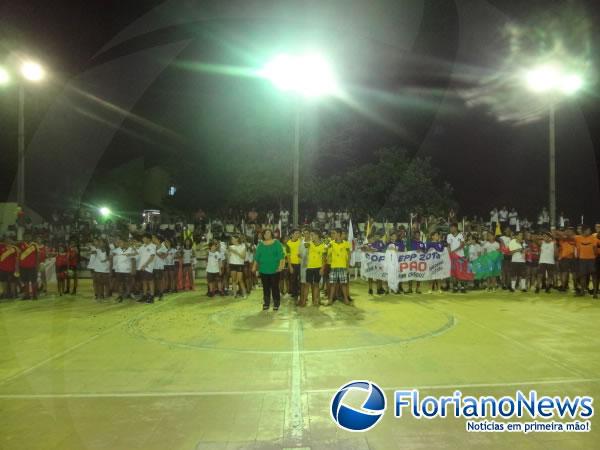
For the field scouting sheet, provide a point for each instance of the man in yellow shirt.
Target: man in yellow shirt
(339, 259)
(294, 263)
(315, 266)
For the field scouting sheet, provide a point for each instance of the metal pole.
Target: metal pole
(21, 149)
(296, 168)
(552, 158)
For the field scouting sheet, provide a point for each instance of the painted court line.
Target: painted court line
(92, 395)
(76, 346)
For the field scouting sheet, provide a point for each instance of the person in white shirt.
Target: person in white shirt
(214, 268)
(503, 217)
(102, 269)
(159, 266)
(92, 262)
(124, 267)
(518, 266)
(248, 273)
(493, 217)
(284, 215)
(504, 241)
(456, 244)
(547, 267)
(147, 252)
(544, 218)
(237, 259)
(188, 257)
(513, 218)
(171, 279)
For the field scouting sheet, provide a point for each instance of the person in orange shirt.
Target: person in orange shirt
(29, 267)
(586, 246)
(567, 264)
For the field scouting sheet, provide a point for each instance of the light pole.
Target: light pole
(32, 72)
(307, 76)
(555, 84)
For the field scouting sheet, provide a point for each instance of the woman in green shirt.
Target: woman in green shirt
(269, 261)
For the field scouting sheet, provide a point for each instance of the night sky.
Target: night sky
(411, 94)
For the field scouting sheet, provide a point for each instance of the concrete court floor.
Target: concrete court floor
(197, 373)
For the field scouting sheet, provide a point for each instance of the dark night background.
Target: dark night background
(482, 163)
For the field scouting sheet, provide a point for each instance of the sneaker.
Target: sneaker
(265, 308)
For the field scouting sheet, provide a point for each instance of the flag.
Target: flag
(352, 243)
(460, 268)
(488, 265)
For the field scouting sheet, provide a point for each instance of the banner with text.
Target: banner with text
(394, 266)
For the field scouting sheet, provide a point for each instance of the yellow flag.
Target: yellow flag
(498, 230)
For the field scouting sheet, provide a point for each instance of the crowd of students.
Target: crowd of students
(305, 262)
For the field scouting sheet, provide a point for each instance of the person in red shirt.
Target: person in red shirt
(28, 267)
(62, 267)
(73, 263)
(586, 246)
(532, 259)
(9, 268)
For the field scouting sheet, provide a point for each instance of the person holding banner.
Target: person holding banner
(416, 244)
(491, 245)
(339, 260)
(435, 243)
(456, 245)
(376, 246)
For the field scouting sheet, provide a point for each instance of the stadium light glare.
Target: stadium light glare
(309, 74)
(32, 71)
(4, 76)
(104, 211)
(543, 79)
(571, 84)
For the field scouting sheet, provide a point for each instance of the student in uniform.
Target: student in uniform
(102, 269)
(489, 246)
(315, 264)
(587, 249)
(61, 265)
(435, 243)
(9, 268)
(456, 245)
(73, 273)
(188, 256)
(237, 258)
(418, 245)
(567, 263)
(518, 267)
(532, 258)
(28, 268)
(147, 252)
(159, 266)
(170, 272)
(91, 264)
(548, 252)
(124, 268)
(339, 260)
(214, 268)
(294, 264)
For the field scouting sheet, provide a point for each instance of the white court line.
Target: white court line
(75, 347)
(92, 395)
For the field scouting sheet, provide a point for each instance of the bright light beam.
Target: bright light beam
(32, 71)
(309, 75)
(4, 76)
(104, 211)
